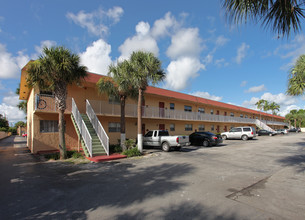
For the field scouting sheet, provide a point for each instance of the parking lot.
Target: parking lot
(255, 179)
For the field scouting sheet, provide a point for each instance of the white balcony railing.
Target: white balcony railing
(104, 108)
(82, 127)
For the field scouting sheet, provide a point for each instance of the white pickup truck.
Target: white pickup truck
(161, 138)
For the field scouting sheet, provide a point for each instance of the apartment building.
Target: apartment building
(179, 113)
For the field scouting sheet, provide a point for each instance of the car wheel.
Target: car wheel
(165, 146)
(244, 137)
(206, 143)
(224, 137)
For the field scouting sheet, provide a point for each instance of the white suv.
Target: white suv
(243, 133)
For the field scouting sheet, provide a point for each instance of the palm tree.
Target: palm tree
(274, 107)
(262, 104)
(120, 86)
(55, 69)
(296, 80)
(281, 16)
(146, 69)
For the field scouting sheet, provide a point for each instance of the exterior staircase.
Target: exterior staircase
(97, 148)
(263, 125)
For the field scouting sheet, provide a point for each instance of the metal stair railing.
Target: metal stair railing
(82, 127)
(101, 133)
(262, 125)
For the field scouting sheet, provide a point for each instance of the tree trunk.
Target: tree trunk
(61, 131)
(140, 138)
(123, 135)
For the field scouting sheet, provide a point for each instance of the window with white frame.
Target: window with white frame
(172, 127)
(212, 111)
(172, 106)
(187, 108)
(114, 127)
(188, 127)
(212, 128)
(200, 127)
(232, 114)
(47, 126)
(246, 116)
(241, 115)
(201, 110)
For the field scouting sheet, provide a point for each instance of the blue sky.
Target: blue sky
(200, 52)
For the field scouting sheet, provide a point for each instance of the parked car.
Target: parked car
(281, 131)
(205, 139)
(243, 133)
(296, 130)
(265, 132)
(161, 138)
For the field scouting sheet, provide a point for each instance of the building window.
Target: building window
(172, 127)
(241, 115)
(200, 127)
(172, 106)
(188, 127)
(114, 100)
(187, 108)
(256, 118)
(212, 111)
(246, 116)
(201, 110)
(232, 114)
(47, 126)
(212, 128)
(114, 127)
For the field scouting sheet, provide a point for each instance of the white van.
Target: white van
(243, 133)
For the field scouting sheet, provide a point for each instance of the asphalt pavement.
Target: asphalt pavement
(256, 179)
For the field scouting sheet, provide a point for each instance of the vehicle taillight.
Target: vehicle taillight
(215, 138)
(177, 140)
(252, 132)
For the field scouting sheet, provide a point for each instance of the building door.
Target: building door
(161, 126)
(161, 109)
(217, 113)
(225, 113)
(225, 128)
(143, 129)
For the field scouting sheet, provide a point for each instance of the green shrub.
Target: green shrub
(115, 148)
(132, 152)
(130, 143)
(70, 154)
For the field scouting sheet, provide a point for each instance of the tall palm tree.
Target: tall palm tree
(120, 86)
(281, 16)
(296, 80)
(274, 107)
(262, 104)
(55, 69)
(146, 69)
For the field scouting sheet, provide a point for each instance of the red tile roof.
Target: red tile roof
(93, 78)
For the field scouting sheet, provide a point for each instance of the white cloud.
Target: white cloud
(221, 62)
(186, 42)
(97, 57)
(286, 102)
(180, 71)
(221, 41)
(164, 26)
(241, 52)
(10, 65)
(256, 89)
(9, 108)
(291, 51)
(38, 49)
(141, 41)
(95, 21)
(243, 83)
(206, 95)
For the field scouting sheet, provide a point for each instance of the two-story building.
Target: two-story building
(180, 114)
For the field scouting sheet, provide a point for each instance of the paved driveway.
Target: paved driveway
(256, 179)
